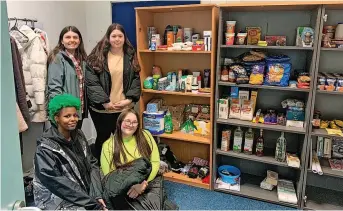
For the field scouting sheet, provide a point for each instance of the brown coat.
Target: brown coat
(19, 81)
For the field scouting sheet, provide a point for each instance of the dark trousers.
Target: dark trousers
(104, 124)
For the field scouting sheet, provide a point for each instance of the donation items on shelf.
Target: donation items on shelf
(179, 39)
(239, 106)
(333, 127)
(332, 36)
(330, 82)
(196, 169)
(251, 35)
(181, 81)
(330, 149)
(259, 68)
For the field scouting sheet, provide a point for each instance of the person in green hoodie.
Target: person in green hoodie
(66, 174)
(66, 69)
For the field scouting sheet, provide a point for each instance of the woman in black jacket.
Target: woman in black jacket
(66, 174)
(112, 82)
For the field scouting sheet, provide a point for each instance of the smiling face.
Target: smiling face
(117, 39)
(129, 124)
(71, 40)
(67, 118)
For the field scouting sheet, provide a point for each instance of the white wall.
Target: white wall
(91, 18)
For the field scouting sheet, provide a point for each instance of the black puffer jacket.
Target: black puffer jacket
(99, 84)
(66, 174)
(117, 183)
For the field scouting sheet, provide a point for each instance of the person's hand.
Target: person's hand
(101, 201)
(109, 106)
(121, 104)
(137, 189)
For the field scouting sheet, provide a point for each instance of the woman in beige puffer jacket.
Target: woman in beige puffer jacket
(34, 60)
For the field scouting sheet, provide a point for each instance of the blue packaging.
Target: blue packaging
(154, 122)
(234, 92)
(278, 70)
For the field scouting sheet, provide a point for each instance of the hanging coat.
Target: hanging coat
(34, 61)
(19, 81)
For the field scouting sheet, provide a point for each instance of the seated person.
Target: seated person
(66, 174)
(132, 146)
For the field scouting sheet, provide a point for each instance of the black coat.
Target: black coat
(117, 183)
(99, 84)
(66, 174)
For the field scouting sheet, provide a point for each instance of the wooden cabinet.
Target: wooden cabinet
(200, 18)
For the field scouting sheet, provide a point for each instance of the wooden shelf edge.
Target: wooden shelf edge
(190, 94)
(186, 137)
(180, 52)
(268, 47)
(179, 178)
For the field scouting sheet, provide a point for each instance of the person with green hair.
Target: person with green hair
(66, 174)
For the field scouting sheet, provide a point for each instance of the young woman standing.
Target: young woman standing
(112, 81)
(66, 69)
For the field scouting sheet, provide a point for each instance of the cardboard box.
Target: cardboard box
(154, 106)
(203, 127)
(223, 106)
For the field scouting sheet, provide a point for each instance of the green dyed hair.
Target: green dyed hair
(62, 101)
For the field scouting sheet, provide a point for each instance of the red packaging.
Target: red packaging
(275, 40)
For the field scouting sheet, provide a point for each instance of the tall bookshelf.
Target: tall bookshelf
(201, 18)
(274, 19)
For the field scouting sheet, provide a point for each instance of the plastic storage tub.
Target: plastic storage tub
(229, 179)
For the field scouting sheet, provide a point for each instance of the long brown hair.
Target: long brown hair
(97, 57)
(119, 148)
(80, 52)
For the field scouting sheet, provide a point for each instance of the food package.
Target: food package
(272, 177)
(321, 81)
(327, 147)
(254, 35)
(304, 80)
(243, 95)
(154, 106)
(223, 105)
(202, 127)
(247, 110)
(257, 74)
(278, 70)
(337, 148)
(226, 137)
(292, 160)
(305, 37)
(265, 185)
(188, 127)
(330, 82)
(276, 40)
(253, 98)
(235, 109)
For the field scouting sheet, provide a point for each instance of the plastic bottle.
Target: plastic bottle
(168, 123)
(280, 151)
(237, 140)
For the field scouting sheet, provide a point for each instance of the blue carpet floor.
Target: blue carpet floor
(192, 198)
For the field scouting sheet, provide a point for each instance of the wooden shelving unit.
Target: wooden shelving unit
(201, 18)
(324, 192)
(274, 18)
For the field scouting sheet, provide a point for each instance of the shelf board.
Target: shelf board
(331, 49)
(178, 135)
(323, 199)
(323, 133)
(176, 93)
(329, 92)
(263, 159)
(262, 126)
(222, 83)
(179, 178)
(250, 187)
(166, 51)
(268, 47)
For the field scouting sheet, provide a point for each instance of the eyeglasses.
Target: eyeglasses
(129, 123)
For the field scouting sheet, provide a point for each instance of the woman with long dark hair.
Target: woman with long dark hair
(112, 81)
(131, 158)
(66, 68)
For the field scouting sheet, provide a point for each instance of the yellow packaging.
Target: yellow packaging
(253, 98)
(203, 127)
